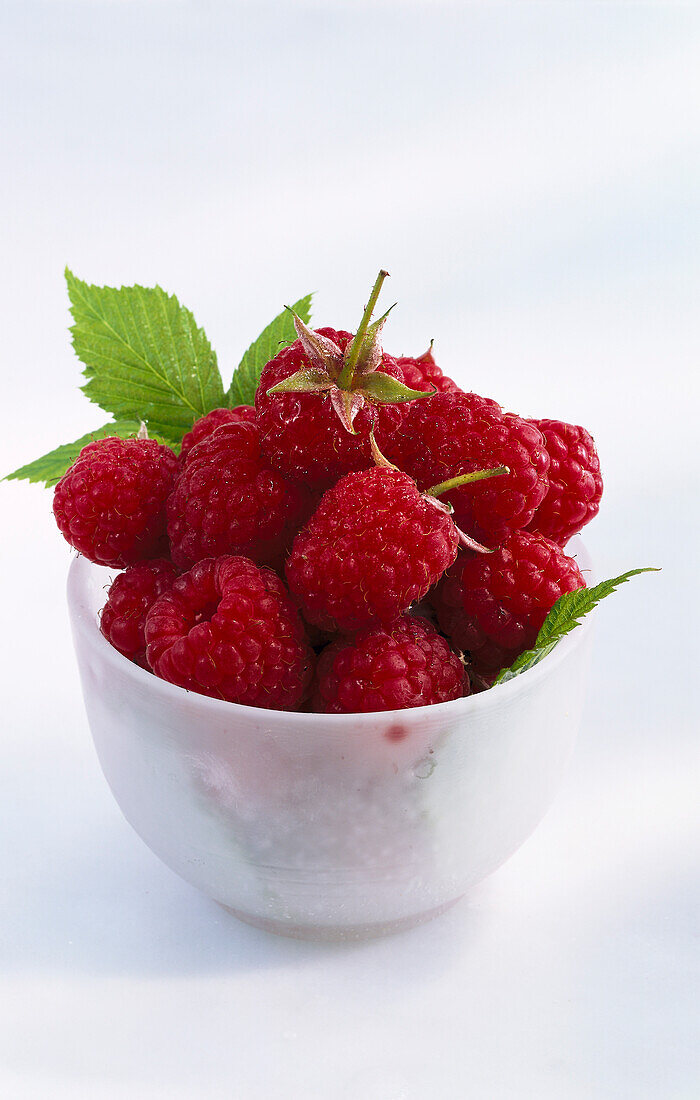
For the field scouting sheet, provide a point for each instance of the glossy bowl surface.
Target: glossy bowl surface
(328, 826)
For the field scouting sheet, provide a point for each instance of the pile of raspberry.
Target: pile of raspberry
(332, 550)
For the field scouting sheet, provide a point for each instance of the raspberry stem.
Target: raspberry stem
(465, 479)
(346, 375)
(379, 458)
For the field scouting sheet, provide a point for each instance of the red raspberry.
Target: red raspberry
(404, 664)
(457, 433)
(227, 499)
(575, 484)
(372, 547)
(243, 414)
(228, 629)
(130, 597)
(110, 504)
(423, 372)
(493, 605)
(301, 432)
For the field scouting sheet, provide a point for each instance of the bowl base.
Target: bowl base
(339, 933)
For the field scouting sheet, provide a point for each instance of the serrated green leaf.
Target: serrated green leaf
(144, 356)
(566, 613)
(278, 333)
(51, 467)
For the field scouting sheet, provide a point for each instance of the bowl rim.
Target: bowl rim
(84, 620)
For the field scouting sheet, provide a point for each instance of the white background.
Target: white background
(529, 175)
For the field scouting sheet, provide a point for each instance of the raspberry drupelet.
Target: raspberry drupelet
(228, 500)
(110, 504)
(456, 433)
(575, 482)
(422, 372)
(493, 605)
(242, 414)
(131, 595)
(372, 547)
(228, 629)
(403, 664)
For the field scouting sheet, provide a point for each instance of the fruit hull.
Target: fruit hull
(328, 826)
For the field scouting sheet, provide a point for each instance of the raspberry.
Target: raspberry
(493, 605)
(456, 433)
(423, 372)
(575, 484)
(228, 629)
(110, 504)
(301, 432)
(404, 664)
(227, 499)
(131, 595)
(373, 546)
(243, 414)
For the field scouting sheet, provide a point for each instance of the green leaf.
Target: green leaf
(566, 613)
(144, 356)
(278, 333)
(51, 467)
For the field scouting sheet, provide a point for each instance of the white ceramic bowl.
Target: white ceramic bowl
(328, 826)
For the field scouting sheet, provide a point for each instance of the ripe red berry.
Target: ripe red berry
(228, 500)
(130, 598)
(302, 433)
(575, 482)
(228, 629)
(242, 414)
(423, 372)
(457, 433)
(493, 605)
(372, 547)
(110, 504)
(403, 664)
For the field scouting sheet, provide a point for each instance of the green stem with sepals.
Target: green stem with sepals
(348, 371)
